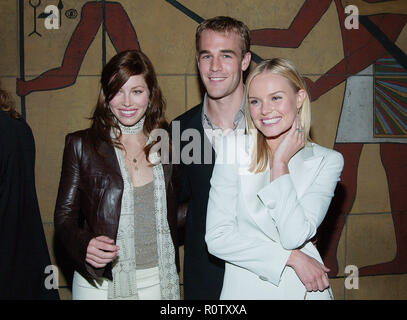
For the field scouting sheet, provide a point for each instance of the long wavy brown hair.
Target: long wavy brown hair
(114, 75)
(7, 104)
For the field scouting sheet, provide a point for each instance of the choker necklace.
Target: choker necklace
(134, 129)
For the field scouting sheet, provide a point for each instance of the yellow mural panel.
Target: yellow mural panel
(371, 180)
(325, 116)
(370, 239)
(9, 62)
(155, 27)
(173, 88)
(314, 56)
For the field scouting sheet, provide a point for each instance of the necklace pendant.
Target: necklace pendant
(135, 164)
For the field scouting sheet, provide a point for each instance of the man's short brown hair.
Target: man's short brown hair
(225, 24)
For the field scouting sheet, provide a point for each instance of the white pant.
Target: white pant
(148, 286)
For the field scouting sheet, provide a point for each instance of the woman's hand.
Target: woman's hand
(310, 271)
(101, 250)
(291, 144)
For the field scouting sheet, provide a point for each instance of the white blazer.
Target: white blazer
(253, 224)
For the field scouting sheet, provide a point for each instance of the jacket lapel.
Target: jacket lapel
(303, 168)
(207, 153)
(109, 157)
(251, 185)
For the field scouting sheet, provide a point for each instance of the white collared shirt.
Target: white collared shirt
(215, 133)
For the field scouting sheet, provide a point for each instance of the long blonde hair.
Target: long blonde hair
(285, 68)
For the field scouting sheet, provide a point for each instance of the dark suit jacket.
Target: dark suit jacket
(89, 199)
(23, 248)
(203, 272)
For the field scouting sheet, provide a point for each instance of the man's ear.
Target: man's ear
(246, 61)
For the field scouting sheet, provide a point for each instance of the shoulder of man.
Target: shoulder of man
(188, 115)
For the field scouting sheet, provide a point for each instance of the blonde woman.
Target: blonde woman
(266, 204)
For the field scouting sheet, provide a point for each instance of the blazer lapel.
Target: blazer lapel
(251, 185)
(207, 152)
(303, 168)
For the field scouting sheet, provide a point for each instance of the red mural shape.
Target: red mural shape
(361, 49)
(119, 29)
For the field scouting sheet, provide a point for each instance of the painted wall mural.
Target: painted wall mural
(116, 24)
(365, 48)
(373, 111)
(357, 79)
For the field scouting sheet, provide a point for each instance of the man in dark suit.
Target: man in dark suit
(222, 54)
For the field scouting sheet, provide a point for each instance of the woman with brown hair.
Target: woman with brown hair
(23, 247)
(115, 210)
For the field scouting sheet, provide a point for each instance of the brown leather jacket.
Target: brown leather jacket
(89, 199)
